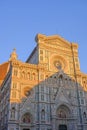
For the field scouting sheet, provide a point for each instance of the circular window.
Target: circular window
(27, 93)
(58, 64)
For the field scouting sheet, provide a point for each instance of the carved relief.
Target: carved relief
(63, 112)
(26, 118)
(58, 64)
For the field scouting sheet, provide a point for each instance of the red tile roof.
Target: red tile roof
(3, 71)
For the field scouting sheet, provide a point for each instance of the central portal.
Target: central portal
(62, 127)
(26, 129)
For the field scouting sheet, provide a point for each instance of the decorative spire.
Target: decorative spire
(13, 55)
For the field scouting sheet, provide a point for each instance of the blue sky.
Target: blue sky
(21, 20)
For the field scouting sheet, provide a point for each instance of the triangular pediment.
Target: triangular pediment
(62, 97)
(62, 89)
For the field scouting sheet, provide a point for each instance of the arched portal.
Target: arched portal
(62, 127)
(63, 114)
(26, 121)
(26, 129)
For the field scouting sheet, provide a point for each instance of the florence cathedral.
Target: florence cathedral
(47, 92)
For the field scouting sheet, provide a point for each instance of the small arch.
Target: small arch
(13, 94)
(27, 91)
(55, 77)
(50, 76)
(33, 76)
(15, 72)
(23, 74)
(46, 76)
(28, 75)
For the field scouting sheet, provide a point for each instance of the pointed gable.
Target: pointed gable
(54, 40)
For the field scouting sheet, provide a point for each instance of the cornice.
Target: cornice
(47, 38)
(22, 65)
(40, 38)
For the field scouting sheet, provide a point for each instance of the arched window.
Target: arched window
(33, 76)
(46, 76)
(27, 93)
(28, 75)
(15, 72)
(13, 94)
(26, 118)
(61, 76)
(23, 74)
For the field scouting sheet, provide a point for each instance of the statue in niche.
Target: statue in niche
(13, 112)
(43, 114)
(62, 114)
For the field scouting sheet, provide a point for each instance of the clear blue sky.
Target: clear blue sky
(21, 20)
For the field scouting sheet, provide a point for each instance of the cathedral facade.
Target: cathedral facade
(47, 92)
